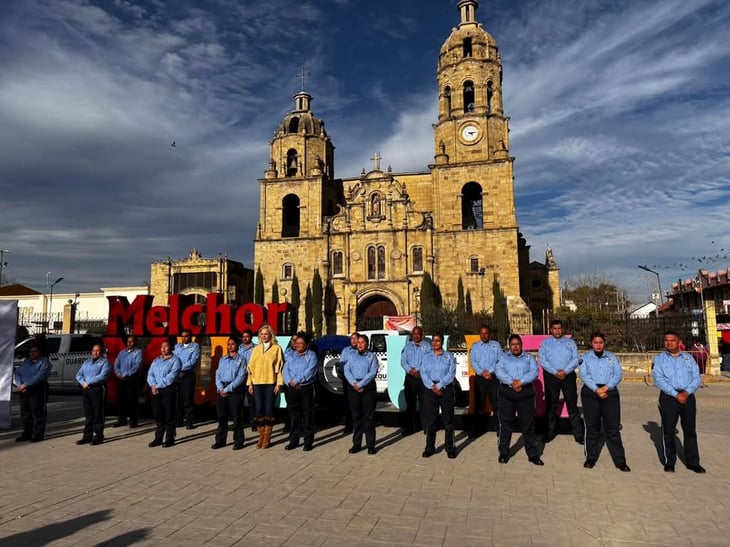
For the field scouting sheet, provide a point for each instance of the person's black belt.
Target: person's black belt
(358, 379)
(600, 385)
(307, 383)
(226, 384)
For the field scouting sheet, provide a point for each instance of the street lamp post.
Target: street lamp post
(2, 264)
(50, 302)
(658, 282)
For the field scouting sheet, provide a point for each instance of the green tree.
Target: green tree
(296, 302)
(317, 295)
(258, 288)
(428, 303)
(275, 293)
(500, 318)
(460, 303)
(468, 305)
(308, 309)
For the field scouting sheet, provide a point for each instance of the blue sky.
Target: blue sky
(620, 119)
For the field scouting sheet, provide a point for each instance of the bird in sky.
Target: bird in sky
(173, 145)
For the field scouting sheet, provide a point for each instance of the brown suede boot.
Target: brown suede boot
(260, 442)
(267, 437)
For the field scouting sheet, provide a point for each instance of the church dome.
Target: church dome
(468, 39)
(301, 121)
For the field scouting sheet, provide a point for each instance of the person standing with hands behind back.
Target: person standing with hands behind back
(92, 378)
(559, 358)
(229, 379)
(31, 381)
(189, 354)
(676, 374)
(126, 368)
(360, 371)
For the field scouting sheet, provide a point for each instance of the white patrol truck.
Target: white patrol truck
(66, 352)
(379, 342)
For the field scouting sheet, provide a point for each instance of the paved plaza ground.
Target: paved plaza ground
(123, 492)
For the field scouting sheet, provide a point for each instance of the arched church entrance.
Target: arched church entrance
(370, 312)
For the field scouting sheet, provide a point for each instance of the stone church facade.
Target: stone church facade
(372, 238)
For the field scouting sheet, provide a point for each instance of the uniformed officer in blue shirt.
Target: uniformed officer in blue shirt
(229, 385)
(31, 383)
(438, 371)
(516, 371)
(677, 375)
(484, 356)
(92, 378)
(360, 370)
(559, 358)
(126, 369)
(300, 373)
(352, 349)
(161, 377)
(410, 359)
(601, 373)
(244, 350)
(189, 354)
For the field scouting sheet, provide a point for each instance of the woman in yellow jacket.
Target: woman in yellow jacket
(264, 382)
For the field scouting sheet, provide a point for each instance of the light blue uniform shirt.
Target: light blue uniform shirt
(412, 355)
(605, 370)
(361, 368)
(675, 374)
(558, 354)
(188, 355)
(128, 362)
(347, 352)
(484, 356)
(246, 352)
(300, 367)
(94, 371)
(438, 369)
(163, 372)
(521, 367)
(31, 372)
(231, 373)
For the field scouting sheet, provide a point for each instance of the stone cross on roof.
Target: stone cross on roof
(376, 158)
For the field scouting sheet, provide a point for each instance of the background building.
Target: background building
(372, 238)
(197, 276)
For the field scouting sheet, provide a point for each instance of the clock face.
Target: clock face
(470, 133)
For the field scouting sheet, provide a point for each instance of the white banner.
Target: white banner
(8, 326)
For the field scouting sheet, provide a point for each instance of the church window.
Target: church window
(490, 94)
(294, 125)
(474, 265)
(337, 263)
(376, 262)
(447, 100)
(471, 207)
(287, 271)
(467, 47)
(292, 163)
(417, 259)
(468, 96)
(290, 216)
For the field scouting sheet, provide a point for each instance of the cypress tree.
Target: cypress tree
(317, 295)
(258, 288)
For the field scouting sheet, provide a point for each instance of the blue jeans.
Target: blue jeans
(263, 400)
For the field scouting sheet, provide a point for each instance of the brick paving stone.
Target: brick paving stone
(192, 495)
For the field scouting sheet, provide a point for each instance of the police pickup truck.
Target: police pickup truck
(66, 352)
(387, 346)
